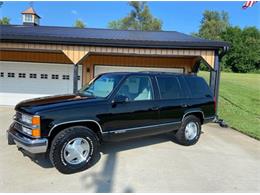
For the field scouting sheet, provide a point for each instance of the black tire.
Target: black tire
(60, 141)
(180, 134)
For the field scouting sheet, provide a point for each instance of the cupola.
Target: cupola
(30, 17)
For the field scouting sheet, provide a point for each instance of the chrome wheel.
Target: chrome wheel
(191, 131)
(76, 151)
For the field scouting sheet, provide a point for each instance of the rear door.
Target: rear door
(201, 97)
(172, 102)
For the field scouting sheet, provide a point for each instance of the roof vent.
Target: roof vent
(30, 17)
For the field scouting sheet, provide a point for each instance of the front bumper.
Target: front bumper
(34, 146)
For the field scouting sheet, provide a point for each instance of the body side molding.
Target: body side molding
(142, 127)
(76, 121)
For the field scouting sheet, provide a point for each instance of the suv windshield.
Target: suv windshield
(102, 86)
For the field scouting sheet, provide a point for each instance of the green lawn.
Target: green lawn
(239, 102)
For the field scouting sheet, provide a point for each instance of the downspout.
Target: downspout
(223, 52)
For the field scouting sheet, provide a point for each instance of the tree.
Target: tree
(213, 23)
(140, 18)
(79, 24)
(244, 53)
(5, 20)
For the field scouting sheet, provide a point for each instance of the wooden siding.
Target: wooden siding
(98, 59)
(41, 57)
(77, 53)
(138, 61)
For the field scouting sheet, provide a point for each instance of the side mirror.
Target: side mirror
(120, 99)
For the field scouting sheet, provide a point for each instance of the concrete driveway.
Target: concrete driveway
(222, 161)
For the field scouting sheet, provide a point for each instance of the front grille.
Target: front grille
(18, 116)
(18, 124)
(18, 127)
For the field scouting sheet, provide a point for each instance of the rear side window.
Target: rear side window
(198, 87)
(169, 87)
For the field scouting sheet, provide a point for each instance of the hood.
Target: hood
(32, 106)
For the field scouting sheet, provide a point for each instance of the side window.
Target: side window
(136, 88)
(169, 87)
(198, 87)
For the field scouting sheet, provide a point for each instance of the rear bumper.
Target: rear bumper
(34, 146)
(209, 119)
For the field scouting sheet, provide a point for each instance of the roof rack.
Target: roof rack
(159, 72)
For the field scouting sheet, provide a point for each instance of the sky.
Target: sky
(178, 16)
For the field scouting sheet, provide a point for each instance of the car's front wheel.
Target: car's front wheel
(189, 132)
(73, 149)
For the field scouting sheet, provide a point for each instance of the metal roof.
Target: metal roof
(104, 37)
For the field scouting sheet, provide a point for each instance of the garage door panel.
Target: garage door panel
(32, 80)
(36, 87)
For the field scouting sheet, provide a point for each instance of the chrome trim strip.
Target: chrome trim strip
(76, 121)
(143, 127)
(193, 111)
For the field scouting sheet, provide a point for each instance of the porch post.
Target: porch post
(75, 78)
(217, 69)
(215, 79)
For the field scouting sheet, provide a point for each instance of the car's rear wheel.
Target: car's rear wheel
(73, 149)
(189, 132)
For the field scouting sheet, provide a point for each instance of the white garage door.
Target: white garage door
(103, 68)
(24, 80)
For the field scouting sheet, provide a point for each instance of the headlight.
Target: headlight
(31, 120)
(32, 132)
(34, 123)
(27, 119)
(27, 130)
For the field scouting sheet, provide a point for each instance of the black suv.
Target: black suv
(112, 107)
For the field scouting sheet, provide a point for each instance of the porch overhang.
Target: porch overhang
(77, 53)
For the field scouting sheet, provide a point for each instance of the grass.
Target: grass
(239, 101)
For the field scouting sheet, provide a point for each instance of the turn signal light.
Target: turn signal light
(36, 132)
(36, 120)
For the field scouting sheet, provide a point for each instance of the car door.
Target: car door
(172, 101)
(133, 111)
